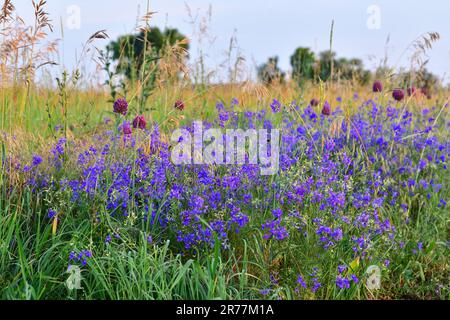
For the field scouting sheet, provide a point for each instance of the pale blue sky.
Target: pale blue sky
(267, 28)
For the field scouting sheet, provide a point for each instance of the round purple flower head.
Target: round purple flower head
(179, 105)
(377, 86)
(139, 122)
(121, 106)
(398, 94)
(314, 102)
(326, 111)
(126, 128)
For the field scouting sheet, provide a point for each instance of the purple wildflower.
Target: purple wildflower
(121, 106)
(301, 281)
(398, 94)
(37, 160)
(341, 269)
(377, 86)
(276, 106)
(326, 111)
(126, 128)
(277, 213)
(51, 214)
(342, 282)
(314, 102)
(264, 292)
(139, 122)
(179, 105)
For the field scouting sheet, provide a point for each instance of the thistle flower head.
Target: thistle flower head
(139, 122)
(314, 102)
(377, 86)
(326, 111)
(398, 94)
(179, 105)
(121, 106)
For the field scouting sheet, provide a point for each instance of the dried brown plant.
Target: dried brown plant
(23, 50)
(6, 12)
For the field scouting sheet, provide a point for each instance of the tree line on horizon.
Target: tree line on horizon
(129, 52)
(306, 66)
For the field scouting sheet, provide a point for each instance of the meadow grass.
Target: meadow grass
(35, 250)
(365, 186)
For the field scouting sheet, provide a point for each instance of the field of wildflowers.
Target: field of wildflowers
(355, 190)
(93, 207)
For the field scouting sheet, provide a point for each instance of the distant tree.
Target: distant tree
(324, 67)
(347, 69)
(427, 79)
(269, 72)
(352, 69)
(419, 79)
(383, 72)
(128, 50)
(302, 63)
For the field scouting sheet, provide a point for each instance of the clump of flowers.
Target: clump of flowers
(301, 281)
(342, 282)
(37, 160)
(326, 198)
(81, 257)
